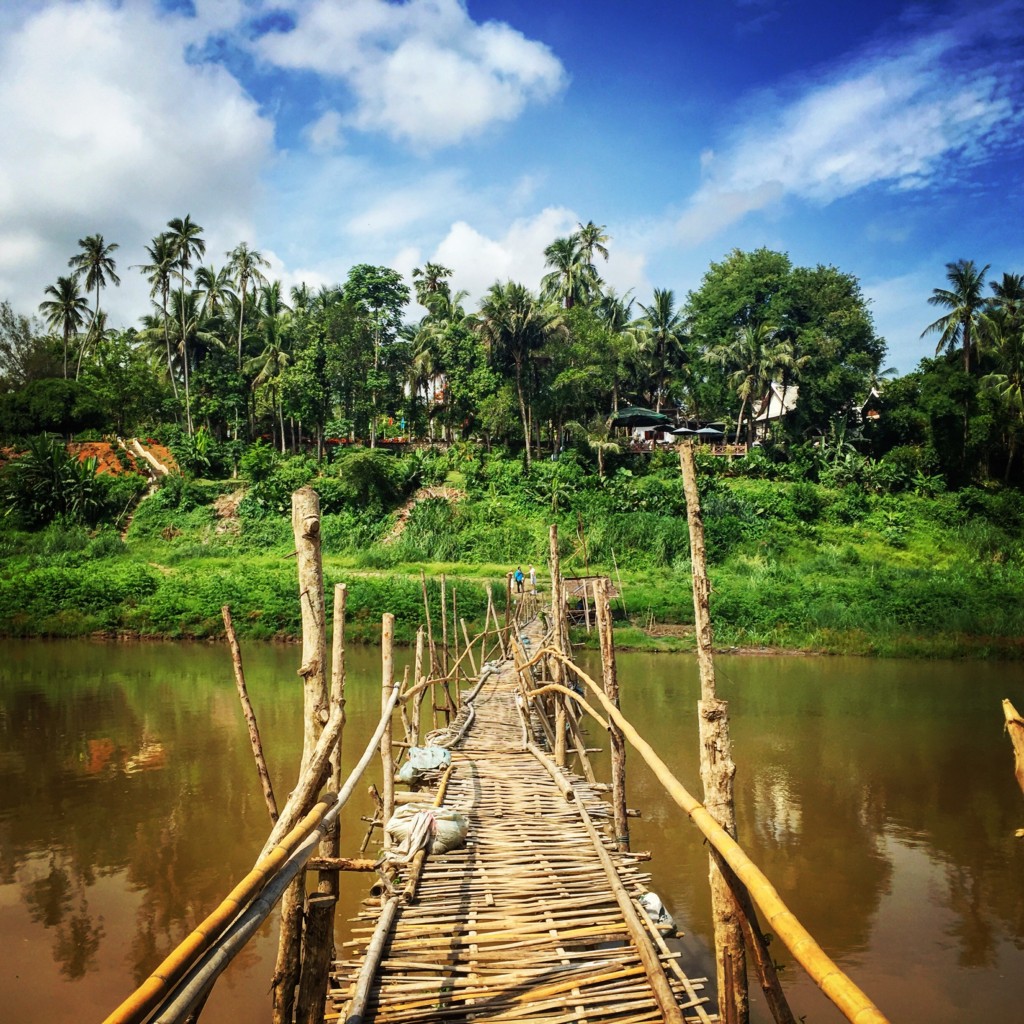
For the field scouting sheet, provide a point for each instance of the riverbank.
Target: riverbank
(794, 566)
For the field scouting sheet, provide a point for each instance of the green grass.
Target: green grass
(793, 566)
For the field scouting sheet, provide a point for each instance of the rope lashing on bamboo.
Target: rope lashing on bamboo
(146, 996)
(829, 977)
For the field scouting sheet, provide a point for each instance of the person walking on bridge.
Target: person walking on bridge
(518, 577)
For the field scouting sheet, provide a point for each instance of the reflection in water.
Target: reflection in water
(877, 796)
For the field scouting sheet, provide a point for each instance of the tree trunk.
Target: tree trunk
(522, 411)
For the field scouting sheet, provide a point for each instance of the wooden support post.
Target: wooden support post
(250, 715)
(716, 768)
(318, 952)
(459, 672)
(610, 679)
(331, 846)
(430, 628)
(444, 625)
(306, 531)
(586, 609)
(387, 641)
(417, 678)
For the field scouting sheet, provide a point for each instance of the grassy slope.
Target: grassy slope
(794, 567)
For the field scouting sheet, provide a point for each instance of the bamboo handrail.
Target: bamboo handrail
(269, 864)
(827, 975)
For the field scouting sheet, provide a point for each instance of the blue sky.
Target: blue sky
(883, 138)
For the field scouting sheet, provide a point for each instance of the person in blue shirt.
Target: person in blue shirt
(518, 577)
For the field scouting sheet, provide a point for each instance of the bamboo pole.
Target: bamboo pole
(387, 640)
(417, 677)
(610, 678)
(306, 530)
(250, 715)
(716, 768)
(455, 642)
(331, 847)
(825, 973)
(444, 626)
(430, 628)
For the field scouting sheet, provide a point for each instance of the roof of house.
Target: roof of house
(777, 403)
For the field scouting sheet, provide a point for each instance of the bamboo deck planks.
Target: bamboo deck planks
(522, 924)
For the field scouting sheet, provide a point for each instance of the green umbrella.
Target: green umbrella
(637, 416)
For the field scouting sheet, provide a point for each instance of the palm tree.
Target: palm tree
(159, 271)
(430, 279)
(959, 327)
(663, 330)
(592, 238)
(513, 325)
(624, 342)
(1002, 332)
(65, 311)
(247, 267)
(568, 281)
(187, 243)
(96, 263)
(757, 356)
(215, 288)
(274, 357)
(598, 435)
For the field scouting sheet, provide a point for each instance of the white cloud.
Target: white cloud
(324, 134)
(422, 72)
(904, 117)
(109, 129)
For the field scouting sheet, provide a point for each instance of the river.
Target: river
(878, 796)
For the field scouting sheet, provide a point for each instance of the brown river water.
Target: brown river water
(878, 797)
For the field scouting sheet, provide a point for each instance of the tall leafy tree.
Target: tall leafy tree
(159, 273)
(513, 326)
(381, 295)
(247, 266)
(187, 242)
(97, 266)
(1001, 331)
(65, 311)
(663, 330)
(964, 299)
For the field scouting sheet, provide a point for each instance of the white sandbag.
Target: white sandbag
(443, 829)
(422, 760)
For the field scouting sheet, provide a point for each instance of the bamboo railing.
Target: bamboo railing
(853, 1003)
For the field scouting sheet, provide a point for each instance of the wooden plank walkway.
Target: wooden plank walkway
(523, 923)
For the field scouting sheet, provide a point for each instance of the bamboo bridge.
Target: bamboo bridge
(537, 910)
(535, 919)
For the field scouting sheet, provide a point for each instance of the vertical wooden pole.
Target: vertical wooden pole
(318, 952)
(250, 715)
(586, 608)
(331, 846)
(306, 531)
(557, 618)
(387, 644)
(610, 679)
(716, 767)
(430, 629)
(444, 626)
(417, 678)
(455, 647)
